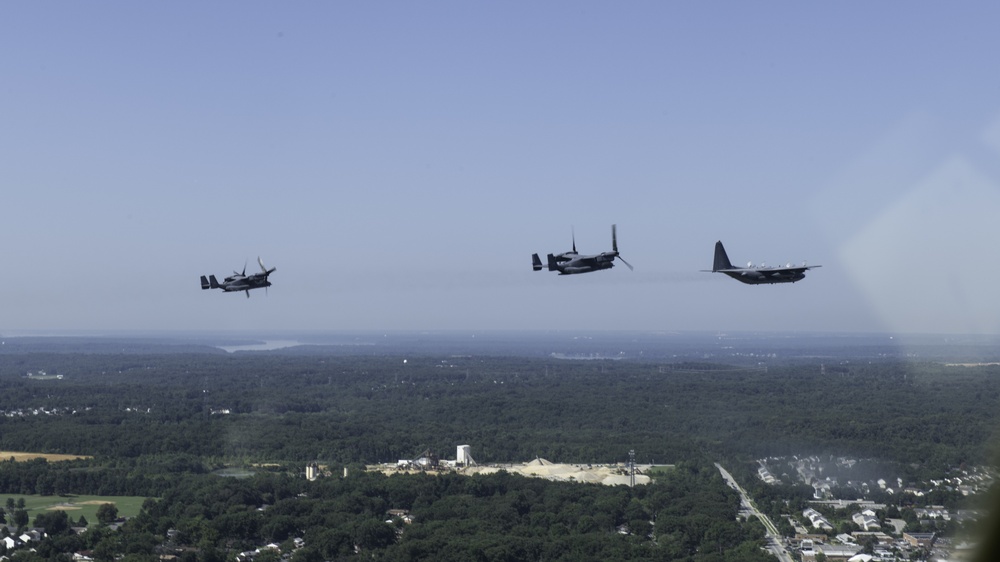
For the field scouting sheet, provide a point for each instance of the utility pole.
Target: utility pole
(631, 467)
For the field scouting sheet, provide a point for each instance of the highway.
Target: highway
(774, 544)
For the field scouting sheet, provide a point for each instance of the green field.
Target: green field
(75, 506)
(659, 470)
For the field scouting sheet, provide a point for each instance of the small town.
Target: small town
(887, 520)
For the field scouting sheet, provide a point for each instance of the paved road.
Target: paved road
(774, 544)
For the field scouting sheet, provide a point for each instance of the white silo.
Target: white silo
(464, 456)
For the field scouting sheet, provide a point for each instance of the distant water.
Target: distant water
(268, 345)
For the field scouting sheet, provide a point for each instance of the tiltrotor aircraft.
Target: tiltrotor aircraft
(571, 262)
(240, 281)
(760, 274)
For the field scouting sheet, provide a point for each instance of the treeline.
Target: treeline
(148, 476)
(377, 409)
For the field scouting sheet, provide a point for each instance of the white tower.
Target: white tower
(464, 456)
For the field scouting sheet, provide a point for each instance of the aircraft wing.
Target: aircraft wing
(798, 269)
(581, 261)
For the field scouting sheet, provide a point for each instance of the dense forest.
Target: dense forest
(158, 424)
(262, 407)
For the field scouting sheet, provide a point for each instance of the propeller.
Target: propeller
(266, 273)
(614, 246)
(265, 269)
(573, 233)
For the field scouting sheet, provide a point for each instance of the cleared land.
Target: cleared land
(607, 474)
(22, 457)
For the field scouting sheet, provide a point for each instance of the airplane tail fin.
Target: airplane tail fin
(721, 259)
(213, 282)
(553, 264)
(536, 263)
(204, 282)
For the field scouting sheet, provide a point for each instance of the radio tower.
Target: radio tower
(631, 468)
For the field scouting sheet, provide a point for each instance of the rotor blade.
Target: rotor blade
(626, 263)
(573, 231)
(614, 238)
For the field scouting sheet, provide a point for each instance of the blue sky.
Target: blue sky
(399, 162)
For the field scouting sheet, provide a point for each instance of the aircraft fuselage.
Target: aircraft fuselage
(243, 286)
(582, 264)
(766, 276)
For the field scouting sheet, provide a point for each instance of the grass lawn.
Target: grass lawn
(659, 470)
(75, 506)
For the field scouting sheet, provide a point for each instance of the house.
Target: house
(817, 519)
(32, 535)
(866, 520)
(846, 539)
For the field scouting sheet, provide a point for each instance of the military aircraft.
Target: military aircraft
(571, 262)
(758, 275)
(240, 281)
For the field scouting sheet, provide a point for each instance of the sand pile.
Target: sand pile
(610, 475)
